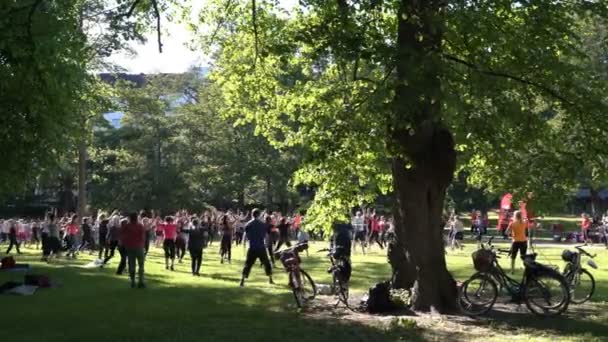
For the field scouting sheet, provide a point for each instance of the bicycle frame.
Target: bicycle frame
(512, 286)
(291, 262)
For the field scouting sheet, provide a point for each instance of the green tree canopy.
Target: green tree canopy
(391, 95)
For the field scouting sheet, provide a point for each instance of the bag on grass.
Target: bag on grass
(379, 298)
(37, 280)
(7, 262)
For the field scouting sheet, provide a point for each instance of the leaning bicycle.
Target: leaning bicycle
(340, 271)
(581, 282)
(543, 289)
(303, 287)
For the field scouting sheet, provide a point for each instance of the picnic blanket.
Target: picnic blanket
(22, 290)
(17, 268)
(93, 264)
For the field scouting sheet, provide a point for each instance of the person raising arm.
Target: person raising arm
(517, 228)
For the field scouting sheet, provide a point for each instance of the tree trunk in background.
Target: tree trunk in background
(241, 198)
(426, 159)
(268, 192)
(595, 200)
(82, 179)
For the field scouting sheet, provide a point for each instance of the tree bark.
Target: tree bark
(241, 198)
(269, 198)
(425, 161)
(594, 197)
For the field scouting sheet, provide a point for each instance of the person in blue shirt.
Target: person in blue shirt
(256, 232)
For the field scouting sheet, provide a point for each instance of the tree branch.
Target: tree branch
(158, 34)
(132, 8)
(222, 21)
(255, 30)
(367, 98)
(521, 80)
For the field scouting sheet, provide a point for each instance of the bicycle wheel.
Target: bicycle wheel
(582, 286)
(302, 286)
(340, 287)
(477, 295)
(309, 288)
(546, 294)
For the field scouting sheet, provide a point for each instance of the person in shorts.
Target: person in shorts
(170, 234)
(358, 223)
(518, 236)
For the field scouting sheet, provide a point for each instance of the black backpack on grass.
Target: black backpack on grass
(379, 299)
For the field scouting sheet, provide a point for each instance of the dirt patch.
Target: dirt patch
(585, 322)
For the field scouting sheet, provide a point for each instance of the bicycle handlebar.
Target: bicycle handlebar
(506, 251)
(490, 241)
(580, 249)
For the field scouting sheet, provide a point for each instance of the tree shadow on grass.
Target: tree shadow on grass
(219, 276)
(578, 321)
(102, 307)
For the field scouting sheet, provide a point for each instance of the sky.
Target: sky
(176, 56)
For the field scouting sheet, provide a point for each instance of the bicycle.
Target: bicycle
(581, 282)
(543, 289)
(303, 287)
(340, 270)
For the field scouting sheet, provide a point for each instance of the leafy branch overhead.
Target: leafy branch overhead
(144, 5)
(327, 80)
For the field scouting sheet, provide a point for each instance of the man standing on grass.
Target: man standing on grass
(256, 232)
(358, 222)
(133, 238)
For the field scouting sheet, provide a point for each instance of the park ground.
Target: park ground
(96, 305)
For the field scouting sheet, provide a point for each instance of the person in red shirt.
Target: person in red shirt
(71, 236)
(375, 232)
(585, 226)
(473, 221)
(170, 234)
(133, 239)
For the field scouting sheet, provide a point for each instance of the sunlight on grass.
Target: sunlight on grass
(179, 307)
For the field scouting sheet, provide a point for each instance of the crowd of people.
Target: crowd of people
(132, 236)
(267, 232)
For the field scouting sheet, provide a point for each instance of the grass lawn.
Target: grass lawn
(96, 305)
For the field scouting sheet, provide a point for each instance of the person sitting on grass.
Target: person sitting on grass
(133, 239)
(256, 232)
(517, 228)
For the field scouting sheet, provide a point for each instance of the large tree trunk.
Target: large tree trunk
(426, 159)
